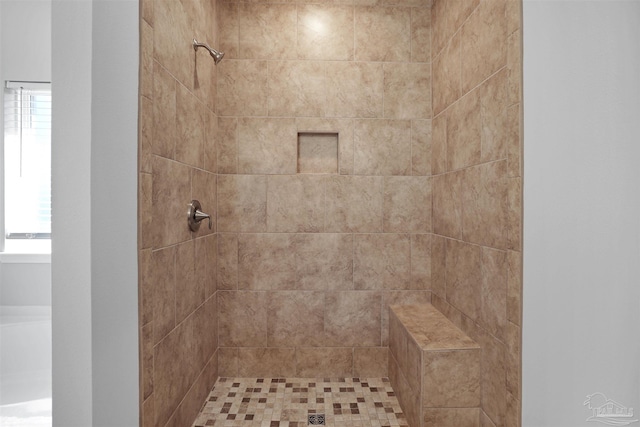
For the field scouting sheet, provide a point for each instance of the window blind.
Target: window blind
(27, 151)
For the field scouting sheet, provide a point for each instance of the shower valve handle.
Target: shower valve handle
(195, 215)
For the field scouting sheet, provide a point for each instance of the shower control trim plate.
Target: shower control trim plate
(195, 216)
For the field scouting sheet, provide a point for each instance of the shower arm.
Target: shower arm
(217, 56)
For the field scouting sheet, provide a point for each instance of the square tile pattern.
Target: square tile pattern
(295, 402)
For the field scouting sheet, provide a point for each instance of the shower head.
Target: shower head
(217, 56)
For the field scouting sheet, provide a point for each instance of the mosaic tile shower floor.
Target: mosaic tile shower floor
(280, 402)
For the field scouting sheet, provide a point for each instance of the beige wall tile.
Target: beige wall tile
(171, 192)
(463, 270)
(185, 343)
(514, 64)
(171, 23)
(513, 416)
(412, 366)
(494, 393)
(514, 141)
(228, 361)
(407, 204)
(171, 382)
(145, 286)
(421, 34)
(352, 318)
(382, 147)
(514, 287)
(451, 417)
(189, 146)
(242, 318)
(447, 204)
(227, 145)
(397, 340)
(421, 147)
(451, 379)
(514, 350)
(354, 89)
(266, 262)
(207, 263)
(514, 220)
(146, 13)
(400, 298)
(191, 405)
(146, 58)
(382, 261)
(297, 88)
(439, 144)
(324, 261)
(228, 29)
(164, 113)
(203, 189)
(407, 90)
(439, 28)
(242, 88)
(438, 265)
(324, 362)
(205, 325)
(446, 75)
(485, 421)
(267, 31)
(404, 3)
(408, 398)
(242, 203)
(484, 211)
(295, 203)
(493, 106)
(227, 261)
(164, 298)
(464, 132)
(483, 43)
(147, 416)
(458, 11)
(145, 210)
(146, 367)
(190, 293)
(145, 134)
(267, 146)
(421, 261)
(295, 318)
(266, 362)
(391, 40)
(325, 32)
(211, 136)
(514, 15)
(354, 204)
(493, 313)
(370, 362)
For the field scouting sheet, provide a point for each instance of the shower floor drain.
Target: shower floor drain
(316, 419)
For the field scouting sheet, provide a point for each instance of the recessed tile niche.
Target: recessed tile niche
(317, 152)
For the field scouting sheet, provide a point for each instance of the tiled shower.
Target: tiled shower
(355, 154)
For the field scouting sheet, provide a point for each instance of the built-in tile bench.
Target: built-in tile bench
(434, 368)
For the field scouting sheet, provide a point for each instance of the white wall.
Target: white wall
(25, 280)
(71, 219)
(94, 260)
(25, 43)
(581, 331)
(114, 212)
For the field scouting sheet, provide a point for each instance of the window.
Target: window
(27, 162)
